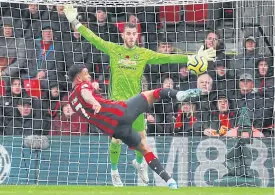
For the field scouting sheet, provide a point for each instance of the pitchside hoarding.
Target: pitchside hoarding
(193, 161)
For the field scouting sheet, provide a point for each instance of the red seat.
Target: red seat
(170, 14)
(120, 26)
(2, 88)
(197, 13)
(32, 87)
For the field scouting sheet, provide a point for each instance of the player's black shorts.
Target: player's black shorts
(135, 106)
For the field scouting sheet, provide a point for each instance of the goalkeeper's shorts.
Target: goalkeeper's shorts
(139, 123)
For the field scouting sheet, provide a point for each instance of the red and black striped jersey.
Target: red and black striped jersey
(110, 113)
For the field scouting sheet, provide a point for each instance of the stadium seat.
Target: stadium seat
(170, 14)
(197, 13)
(2, 88)
(120, 26)
(32, 87)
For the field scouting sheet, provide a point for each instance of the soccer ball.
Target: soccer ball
(197, 65)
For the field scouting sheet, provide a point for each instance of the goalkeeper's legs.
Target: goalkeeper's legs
(115, 148)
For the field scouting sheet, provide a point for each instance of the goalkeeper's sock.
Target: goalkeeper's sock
(164, 93)
(139, 157)
(154, 163)
(114, 154)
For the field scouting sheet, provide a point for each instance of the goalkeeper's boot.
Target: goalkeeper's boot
(190, 93)
(172, 184)
(142, 171)
(116, 178)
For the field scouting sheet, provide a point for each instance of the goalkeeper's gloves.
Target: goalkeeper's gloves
(208, 54)
(71, 15)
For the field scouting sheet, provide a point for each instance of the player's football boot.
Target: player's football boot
(172, 184)
(116, 179)
(142, 171)
(190, 93)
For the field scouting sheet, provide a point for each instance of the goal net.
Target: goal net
(223, 138)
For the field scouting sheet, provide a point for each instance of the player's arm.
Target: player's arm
(159, 58)
(71, 14)
(89, 98)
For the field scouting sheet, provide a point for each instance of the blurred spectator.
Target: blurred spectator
(188, 120)
(10, 9)
(9, 102)
(246, 97)
(104, 28)
(223, 82)
(161, 115)
(205, 83)
(223, 118)
(68, 122)
(245, 62)
(100, 25)
(204, 106)
(12, 52)
(78, 50)
(51, 101)
(234, 133)
(26, 120)
(32, 19)
(154, 72)
(11, 12)
(47, 60)
(185, 80)
(214, 40)
(264, 84)
(14, 93)
(57, 20)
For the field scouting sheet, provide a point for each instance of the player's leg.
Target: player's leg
(164, 93)
(140, 103)
(115, 148)
(133, 140)
(139, 127)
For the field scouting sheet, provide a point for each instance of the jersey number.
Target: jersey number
(79, 107)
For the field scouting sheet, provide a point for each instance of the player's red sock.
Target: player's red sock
(164, 93)
(156, 166)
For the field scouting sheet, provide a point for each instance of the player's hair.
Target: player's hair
(75, 70)
(129, 25)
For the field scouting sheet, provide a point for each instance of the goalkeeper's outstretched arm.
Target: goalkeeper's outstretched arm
(71, 14)
(159, 58)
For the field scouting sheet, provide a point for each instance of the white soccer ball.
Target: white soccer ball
(197, 65)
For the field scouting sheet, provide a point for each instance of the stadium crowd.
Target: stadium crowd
(38, 45)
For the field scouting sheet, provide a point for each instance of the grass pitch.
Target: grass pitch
(104, 190)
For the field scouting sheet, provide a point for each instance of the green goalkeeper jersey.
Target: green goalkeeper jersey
(127, 65)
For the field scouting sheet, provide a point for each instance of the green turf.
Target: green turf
(93, 190)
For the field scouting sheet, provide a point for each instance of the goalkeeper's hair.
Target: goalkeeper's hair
(129, 25)
(75, 70)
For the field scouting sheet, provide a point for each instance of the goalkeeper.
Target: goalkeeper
(127, 64)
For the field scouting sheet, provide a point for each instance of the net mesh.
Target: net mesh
(225, 138)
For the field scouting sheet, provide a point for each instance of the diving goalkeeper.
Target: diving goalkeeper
(127, 64)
